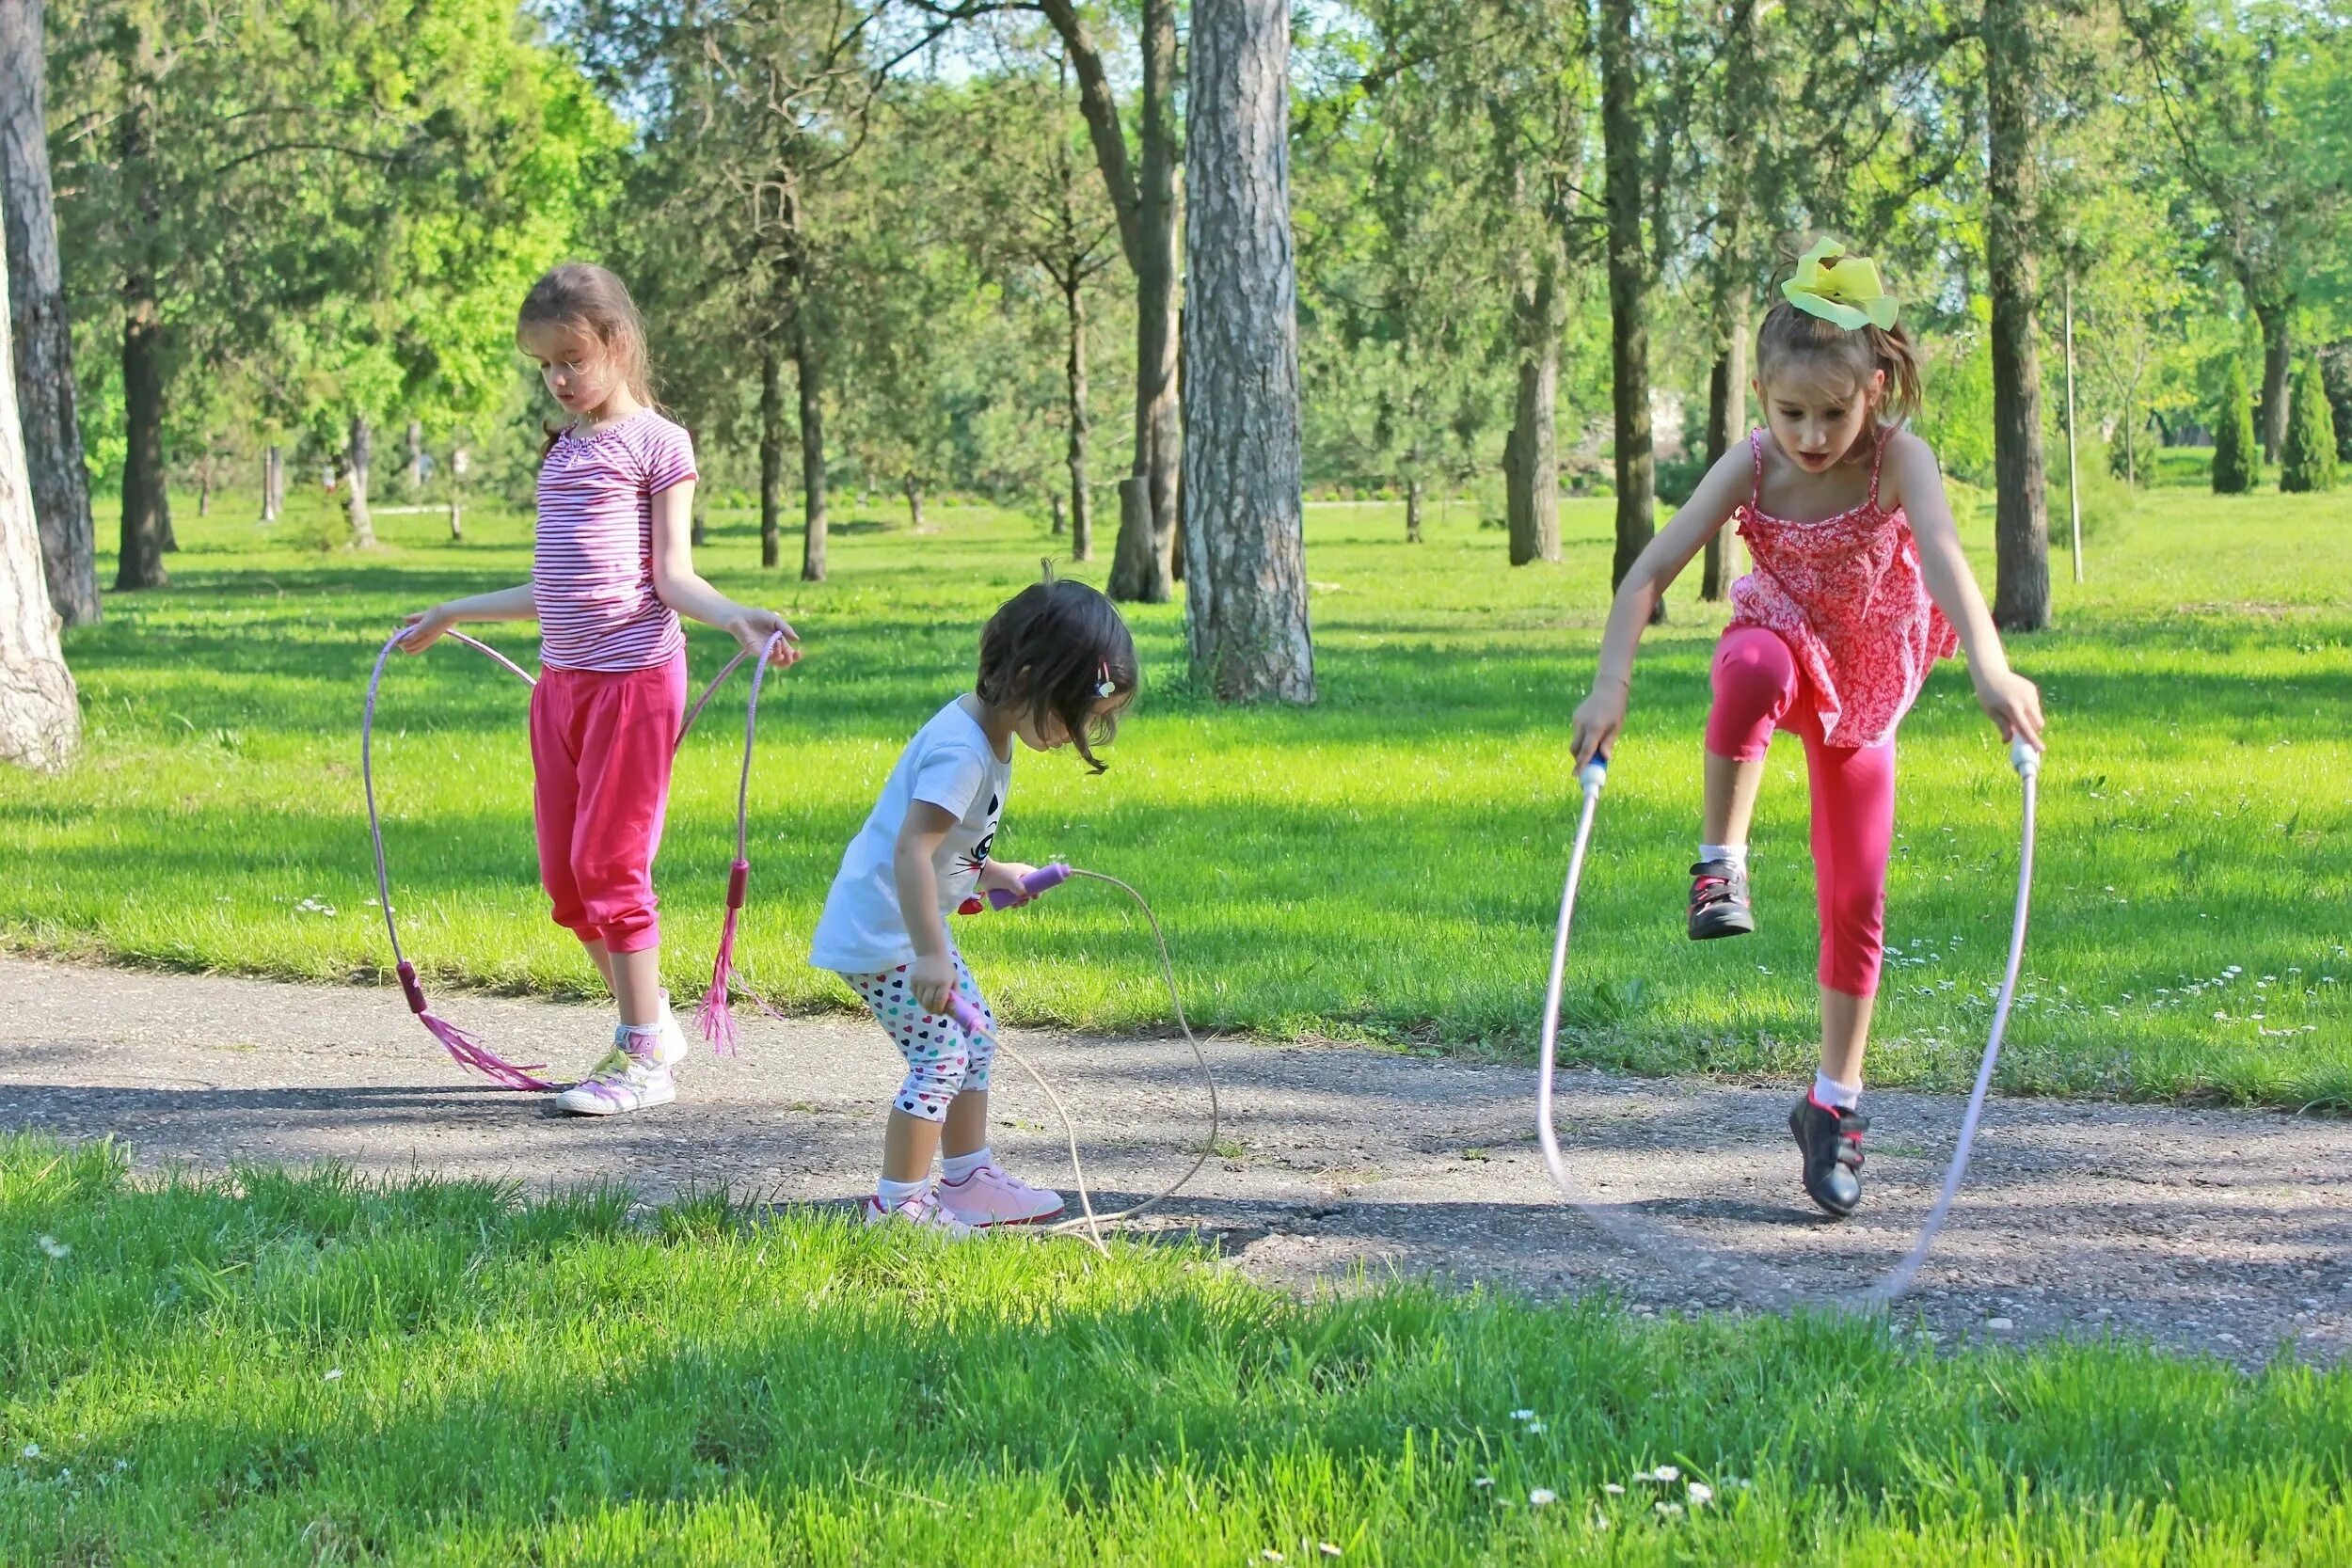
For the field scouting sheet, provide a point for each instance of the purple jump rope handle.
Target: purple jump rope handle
(1044, 880)
(964, 1013)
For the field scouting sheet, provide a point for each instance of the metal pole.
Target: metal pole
(2073, 480)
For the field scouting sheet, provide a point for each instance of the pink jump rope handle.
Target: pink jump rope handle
(964, 1013)
(1044, 880)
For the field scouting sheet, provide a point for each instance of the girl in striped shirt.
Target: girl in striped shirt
(611, 573)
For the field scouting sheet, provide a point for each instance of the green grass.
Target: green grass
(1385, 865)
(308, 1369)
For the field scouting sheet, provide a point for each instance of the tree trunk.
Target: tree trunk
(1246, 604)
(204, 485)
(1059, 510)
(2020, 531)
(44, 337)
(1628, 292)
(40, 718)
(358, 455)
(143, 523)
(1081, 425)
(913, 489)
(1412, 509)
(1531, 462)
(145, 520)
(272, 483)
(1737, 109)
(2277, 324)
(1727, 426)
(806, 363)
(457, 488)
(698, 520)
(1149, 568)
(416, 457)
(771, 454)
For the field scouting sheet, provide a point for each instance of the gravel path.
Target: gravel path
(2227, 1233)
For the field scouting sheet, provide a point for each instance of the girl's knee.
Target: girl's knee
(1754, 667)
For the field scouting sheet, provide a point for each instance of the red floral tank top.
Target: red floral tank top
(1846, 594)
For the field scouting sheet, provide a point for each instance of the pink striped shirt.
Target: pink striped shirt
(592, 562)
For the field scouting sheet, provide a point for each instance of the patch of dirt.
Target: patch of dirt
(2221, 1232)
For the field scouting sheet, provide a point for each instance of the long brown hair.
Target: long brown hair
(591, 299)
(1789, 333)
(1056, 649)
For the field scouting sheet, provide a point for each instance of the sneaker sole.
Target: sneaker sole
(990, 1223)
(1729, 926)
(605, 1108)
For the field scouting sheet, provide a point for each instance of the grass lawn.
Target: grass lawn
(286, 1368)
(1385, 865)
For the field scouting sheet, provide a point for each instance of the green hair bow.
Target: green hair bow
(1840, 288)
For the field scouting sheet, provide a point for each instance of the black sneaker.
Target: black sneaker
(1832, 1141)
(1719, 902)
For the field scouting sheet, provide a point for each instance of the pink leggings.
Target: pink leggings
(1757, 689)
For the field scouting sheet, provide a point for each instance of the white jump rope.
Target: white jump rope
(970, 1018)
(1621, 1224)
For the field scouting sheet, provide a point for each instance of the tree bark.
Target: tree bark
(1151, 575)
(771, 454)
(810, 369)
(358, 459)
(40, 718)
(1728, 382)
(1531, 462)
(2021, 532)
(2277, 325)
(1081, 516)
(1628, 292)
(204, 485)
(272, 483)
(44, 336)
(698, 520)
(1412, 509)
(1727, 426)
(416, 457)
(143, 519)
(1246, 604)
(913, 489)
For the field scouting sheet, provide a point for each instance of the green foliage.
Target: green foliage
(2237, 455)
(2308, 460)
(1957, 417)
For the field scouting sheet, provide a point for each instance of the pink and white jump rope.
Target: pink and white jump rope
(1619, 1223)
(713, 1014)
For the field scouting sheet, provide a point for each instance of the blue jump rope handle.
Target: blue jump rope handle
(1594, 773)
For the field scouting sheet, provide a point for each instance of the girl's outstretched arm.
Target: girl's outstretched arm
(426, 626)
(1912, 480)
(1601, 715)
(679, 585)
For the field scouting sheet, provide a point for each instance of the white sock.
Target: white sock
(890, 1194)
(1736, 853)
(1829, 1091)
(959, 1167)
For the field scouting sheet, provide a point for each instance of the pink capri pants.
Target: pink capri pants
(1757, 691)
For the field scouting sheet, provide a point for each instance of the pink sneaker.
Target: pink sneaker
(989, 1197)
(922, 1212)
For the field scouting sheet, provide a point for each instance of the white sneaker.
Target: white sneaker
(991, 1196)
(923, 1212)
(624, 1080)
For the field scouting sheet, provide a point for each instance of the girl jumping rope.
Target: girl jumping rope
(1858, 585)
(611, 573)
(1056, 666)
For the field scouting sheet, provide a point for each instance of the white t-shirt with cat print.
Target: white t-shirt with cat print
(950, 763)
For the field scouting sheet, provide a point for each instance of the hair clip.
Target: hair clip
(1105, 686)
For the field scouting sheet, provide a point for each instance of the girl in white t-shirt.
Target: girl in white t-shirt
(1056, 666)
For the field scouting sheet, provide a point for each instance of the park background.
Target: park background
(915, 275)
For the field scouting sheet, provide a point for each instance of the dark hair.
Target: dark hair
(1789, 333)
(589, 298)
(1050, 650)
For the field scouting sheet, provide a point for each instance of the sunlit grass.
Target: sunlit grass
(1383, 865)
(312, 1368)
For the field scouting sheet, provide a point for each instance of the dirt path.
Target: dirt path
(2221, 1233)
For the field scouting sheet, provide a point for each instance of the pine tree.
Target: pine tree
(2308, 461)
(2237, 461)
